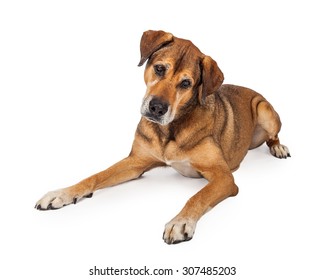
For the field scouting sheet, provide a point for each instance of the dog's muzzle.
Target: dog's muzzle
(156, 110)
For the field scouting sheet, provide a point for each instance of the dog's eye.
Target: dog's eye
(185, 84)
(160, 70)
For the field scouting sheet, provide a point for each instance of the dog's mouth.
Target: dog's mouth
(159, 120)
(152, 119)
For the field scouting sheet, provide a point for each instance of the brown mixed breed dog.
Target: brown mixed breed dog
(190, 121)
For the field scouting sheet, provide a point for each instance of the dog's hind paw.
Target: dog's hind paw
(57, 199)
(179, 230)
(280, 151)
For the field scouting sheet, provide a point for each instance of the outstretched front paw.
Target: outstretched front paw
(57, 199)
(179, 230)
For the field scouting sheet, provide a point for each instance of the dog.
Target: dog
(191, 122)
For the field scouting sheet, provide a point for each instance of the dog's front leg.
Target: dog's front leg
(127, 169)
(182, 227)
(221, 185)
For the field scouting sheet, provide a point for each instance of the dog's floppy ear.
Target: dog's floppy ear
(152, 41)
(212, 78)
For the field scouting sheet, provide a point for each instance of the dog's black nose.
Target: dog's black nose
(157, 107)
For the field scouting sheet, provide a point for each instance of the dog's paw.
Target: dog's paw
(179, 230)
(280, 151)
(57, 199)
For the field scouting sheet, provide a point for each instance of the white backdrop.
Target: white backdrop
(70, 94)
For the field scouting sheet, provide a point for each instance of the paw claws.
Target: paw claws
(50, 207)
(179, 230)
(58, 199)
(280, 151)
(89, 195)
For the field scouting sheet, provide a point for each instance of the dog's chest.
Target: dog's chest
(177, 159)
(184, 168)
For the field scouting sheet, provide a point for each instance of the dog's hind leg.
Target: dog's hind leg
(269, 121)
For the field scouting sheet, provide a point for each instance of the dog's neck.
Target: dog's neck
(171, 131)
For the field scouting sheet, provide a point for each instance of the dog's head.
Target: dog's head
(177, 76)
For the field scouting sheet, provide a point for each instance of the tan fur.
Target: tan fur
(204, 129)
